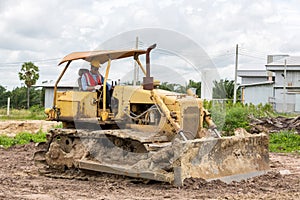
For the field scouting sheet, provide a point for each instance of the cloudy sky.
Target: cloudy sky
(44, 31)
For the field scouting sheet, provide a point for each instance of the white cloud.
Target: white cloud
(41, 30)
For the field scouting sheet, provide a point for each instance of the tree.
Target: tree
(181, 89)
(224, 89)
(174, 87)
(3, 96)
(29, 74)
(197, 85)
(18, 98)
(165, 86)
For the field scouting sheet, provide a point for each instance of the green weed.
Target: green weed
(236, 117)
(22, 138)
(6, 141)
(285, 141)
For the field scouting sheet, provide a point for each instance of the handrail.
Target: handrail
(56, 83)
(104, 113)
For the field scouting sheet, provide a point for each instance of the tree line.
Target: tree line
(24, 97)
(223, 89)
(18, 97)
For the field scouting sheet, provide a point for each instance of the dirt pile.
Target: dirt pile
(273, 125)
(13, 127)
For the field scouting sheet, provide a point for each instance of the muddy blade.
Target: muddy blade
(227, 158)
(126, 171)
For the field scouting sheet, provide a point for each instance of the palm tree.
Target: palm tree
(166, 86)
(197, 85)
(29, 74)
(224, 89)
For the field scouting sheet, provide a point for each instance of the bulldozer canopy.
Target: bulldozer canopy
(102, 55)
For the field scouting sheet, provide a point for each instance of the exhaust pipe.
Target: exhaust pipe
(148, 81)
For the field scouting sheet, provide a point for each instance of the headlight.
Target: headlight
(47, 111)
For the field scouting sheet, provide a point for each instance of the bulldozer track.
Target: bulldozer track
(66, 139)
(83, 175)
(68, 175)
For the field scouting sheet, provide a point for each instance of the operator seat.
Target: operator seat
(80, 73)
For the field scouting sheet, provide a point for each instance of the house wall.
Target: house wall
(49, 95)
(292, 78)
(258, 94)
(292, 100)
(249, 80)
(287, 105)
(297, 105)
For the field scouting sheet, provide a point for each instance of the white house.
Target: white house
(49, 92)
(287, 83)
(278, 85)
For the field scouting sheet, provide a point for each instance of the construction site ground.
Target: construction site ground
(20, 179)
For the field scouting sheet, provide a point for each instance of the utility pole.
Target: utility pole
(235, 73)
(136, 73)
(8, 106)
(284, 88)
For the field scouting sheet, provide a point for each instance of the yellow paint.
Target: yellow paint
(77, 104)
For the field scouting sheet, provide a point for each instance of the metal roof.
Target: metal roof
(292, 63)
(257, 84)
(102, 55)
(254, 73)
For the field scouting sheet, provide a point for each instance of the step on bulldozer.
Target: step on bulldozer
(143, 131)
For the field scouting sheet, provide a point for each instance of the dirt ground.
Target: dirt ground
(20, 179)
(12, 127)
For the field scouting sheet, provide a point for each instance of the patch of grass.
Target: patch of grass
(60, 125)
(34, 113)
(236, 117)
(285, 142)
(22, 138)
(6, 141)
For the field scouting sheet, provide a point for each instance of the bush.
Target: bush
(285, 141)
(228, 116)
(6, 141)
(22, 138)
(236, 117)
(36, 112)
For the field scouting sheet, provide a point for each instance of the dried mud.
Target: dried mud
(20, 179)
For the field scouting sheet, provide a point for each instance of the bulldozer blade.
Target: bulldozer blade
(226, 158)
(125, 170)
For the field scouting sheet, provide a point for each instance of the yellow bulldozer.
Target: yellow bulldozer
(144, 132)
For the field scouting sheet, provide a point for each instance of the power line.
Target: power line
(34, 61)
(254, 54)
(253, 50)
(260, 58)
